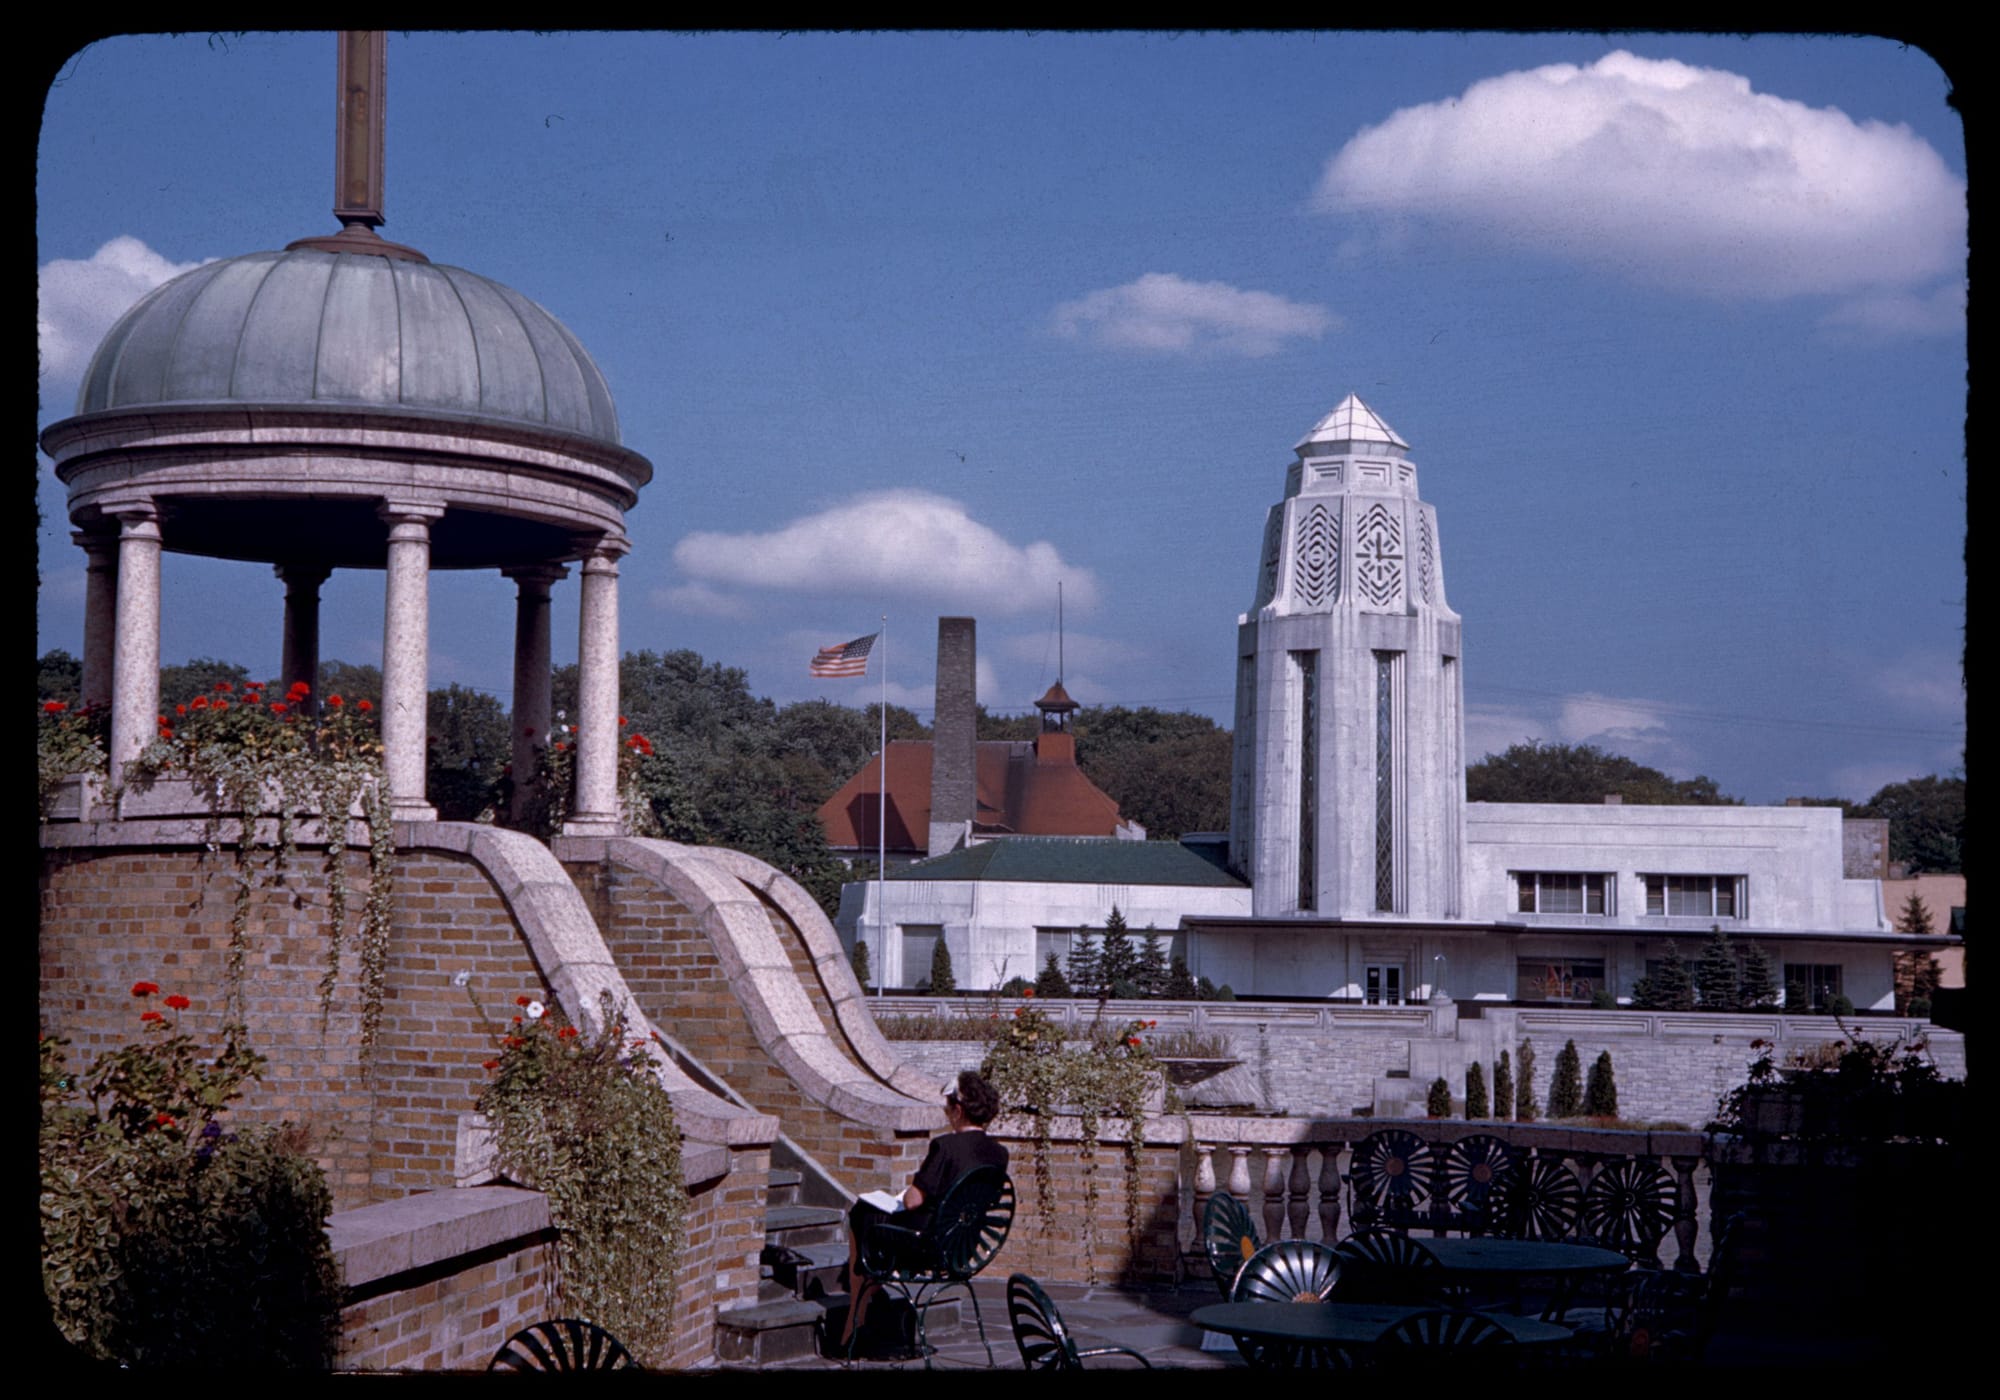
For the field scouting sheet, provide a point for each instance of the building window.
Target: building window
(1559, 892)
(1308, 664)
(1697, 896)
(1558, 979)
(1382, 984)
(1385, 780)
(1811, 986)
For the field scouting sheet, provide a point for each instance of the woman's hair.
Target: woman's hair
(977, 1100)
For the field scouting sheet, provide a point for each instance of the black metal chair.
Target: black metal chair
(564, 1344)
(1663, 1315)
(963, 1234)
(1389, 1179)
(1438, 1338)
(1229, 1235)
(1475, 1172)
(1630, 1207)
(1382, 1266)
(1289, 1271)
(1541, 1201)
(1045, 1343)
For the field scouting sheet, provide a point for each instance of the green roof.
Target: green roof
(1073, 861)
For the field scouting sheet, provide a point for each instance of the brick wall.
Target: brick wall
(1049, 1242)
(673, 971)
(453, 1318)
(725, 1235)
(114, 917)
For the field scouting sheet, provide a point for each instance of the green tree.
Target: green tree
(1582, 773)
(1503, 1086)
(1718, 976)
(1566, 1087)
(1526, 1109)
(1437, 1103)
(1180, 982)
(1154, 973)
(1052, 983)
(1117, 959)
(1085, 967)
(1013, 728)
(351, 683)
(1759, 988)
(863, 973)
(1600, 1095)
(1915, 916)
(942, 981)
(1671, 988)
(1167, 770)
(59, 676)
(1475, 1091)
(903, 724)
(1926, 823)
(469, 745)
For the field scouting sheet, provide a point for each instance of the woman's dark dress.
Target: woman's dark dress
(951, 1156)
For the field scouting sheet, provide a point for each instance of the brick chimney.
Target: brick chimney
(954, 757)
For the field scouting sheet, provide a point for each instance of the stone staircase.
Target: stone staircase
(805, 1251)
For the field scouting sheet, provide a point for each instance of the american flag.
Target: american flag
(847, 659)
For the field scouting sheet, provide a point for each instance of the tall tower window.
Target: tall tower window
(1308, 669)
(1385, 780)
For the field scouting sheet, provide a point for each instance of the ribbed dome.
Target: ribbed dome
(326, 329)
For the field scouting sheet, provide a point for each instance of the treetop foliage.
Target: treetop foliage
(1582, 773)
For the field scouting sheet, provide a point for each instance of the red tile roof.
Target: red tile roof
(1020, 792)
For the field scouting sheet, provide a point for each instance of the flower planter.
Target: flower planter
(183, 797)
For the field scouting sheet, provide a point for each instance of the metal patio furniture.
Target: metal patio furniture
(963, 1234)
(1229, 1237)
(1289, 1271)
(1389, 1179)
(563, 1344)
(1045, 1342)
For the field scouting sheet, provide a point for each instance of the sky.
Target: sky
(927, 324)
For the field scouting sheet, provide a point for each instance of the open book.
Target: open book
(883, 1201)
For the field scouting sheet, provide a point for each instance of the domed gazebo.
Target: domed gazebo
(347, 403)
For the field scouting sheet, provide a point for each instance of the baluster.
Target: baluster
(1275, 1159)
(1296, 1200)
(1687, 1224)
(1329, 1191)
(1239, 1174)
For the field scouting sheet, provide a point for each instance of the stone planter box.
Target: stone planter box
(183, 797)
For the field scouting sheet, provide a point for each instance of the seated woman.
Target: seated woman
(969, 1105)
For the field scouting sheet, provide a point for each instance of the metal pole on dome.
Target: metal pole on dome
(882, 818)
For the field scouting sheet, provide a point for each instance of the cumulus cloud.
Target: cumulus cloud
(1677, 174)
(700, 599)
(900, 543)
(1163, 312)
(1636, 728)
(81, 298)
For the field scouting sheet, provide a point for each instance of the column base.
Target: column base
(593, 824)
(412, 811)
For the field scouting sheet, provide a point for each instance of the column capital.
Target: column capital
(604, 549)
(136, 519)
(298, 574)
(409, 510)
(100, 545)
(540, 576)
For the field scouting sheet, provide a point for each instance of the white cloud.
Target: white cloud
(1161, 311)
(1674, 173)
(1635, 728)
(902, 543)
(81, 298)
(700, 599)
(1040, 649)
(1903, 313)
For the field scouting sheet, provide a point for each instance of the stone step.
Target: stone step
(808, 1271)
(768, 1333)
(797, 1226)
(784, 1187)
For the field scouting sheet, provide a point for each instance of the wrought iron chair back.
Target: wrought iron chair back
(562, 1344)
(1045, 1342)
(1383, 1266)
(1229, 1236)
(1630, 1206)
(1541, 1201)
(1471, 1179)
(1389, 1179)
(1438, 1336)
(1289, 1271)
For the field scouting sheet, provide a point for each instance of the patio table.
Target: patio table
(1345, 1325)
(1509, 1264)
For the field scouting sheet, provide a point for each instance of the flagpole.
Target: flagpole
(882, 819)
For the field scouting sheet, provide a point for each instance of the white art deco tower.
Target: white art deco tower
(1349, 784)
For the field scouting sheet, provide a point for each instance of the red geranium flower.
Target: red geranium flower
(220, 705)
(178, 1002)
(145, 989)
(201, 702)
(151, 1016)
(335, 701)
(621, 719)
(164, 1120)
(513, 1042)
(364, 707)
(224, 686)
(523, 999)
(53, 707)
(299, 690)
(491, 1064)
(566, 1033)
(277, 707)
(1132, 1040)
(180, 709)
(1027, 991)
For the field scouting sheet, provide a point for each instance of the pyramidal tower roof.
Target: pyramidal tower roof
(1351, 421)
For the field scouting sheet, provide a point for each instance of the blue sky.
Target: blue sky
(920, 324)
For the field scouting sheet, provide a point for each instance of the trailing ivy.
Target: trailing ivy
(582, 1117)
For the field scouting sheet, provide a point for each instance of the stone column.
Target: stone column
(135, 660)
(406, 656)
(531, 671)
(595, 812)
(301, 647)
(100, 613)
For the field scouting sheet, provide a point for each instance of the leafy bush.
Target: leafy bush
(1503, 1086)
(942, 980)
(1526, 1109)
(67, 740)
(582, 1117)
(862, 972)
(167, 1237)
(1438, 1102)
(1052, 983)
(1475, 1091)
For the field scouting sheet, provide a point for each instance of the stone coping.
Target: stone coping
(380, 1241)
(1222, 1130)
(701, 1162)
